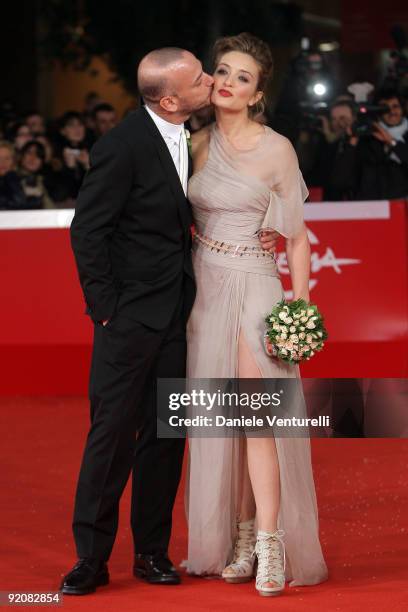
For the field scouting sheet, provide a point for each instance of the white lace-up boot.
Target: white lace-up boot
(270, 551)
(241, 568)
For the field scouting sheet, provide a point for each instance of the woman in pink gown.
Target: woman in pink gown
(251, 498)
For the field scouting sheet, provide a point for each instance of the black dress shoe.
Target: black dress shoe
(156, 569)
(86, 575)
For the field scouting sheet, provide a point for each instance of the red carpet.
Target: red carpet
(363, 501)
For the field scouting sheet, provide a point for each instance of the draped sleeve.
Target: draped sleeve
(288, 193)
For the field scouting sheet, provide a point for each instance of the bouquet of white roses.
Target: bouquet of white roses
(295, 331)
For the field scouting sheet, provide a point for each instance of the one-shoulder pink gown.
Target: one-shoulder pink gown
(234, 195)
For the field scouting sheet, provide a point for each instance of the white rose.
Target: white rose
(302, 313)
(303, 319)
(310, 311)
(276, 326)
(286, 308)
(284, 336)
(296, 323)
(284, 351)
(296, 316)
(289, 320)
(310, 325)
(309, 338)
(294, 338)
(320, 334)
(283, 328)
(302, 328)
(302, 335)
(282, 315)
(314, 345)
(289, 346)
(292, 329)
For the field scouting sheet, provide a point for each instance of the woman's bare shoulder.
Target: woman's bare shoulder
(201, 138)
(281, 143)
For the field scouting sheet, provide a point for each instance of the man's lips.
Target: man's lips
(224, 93)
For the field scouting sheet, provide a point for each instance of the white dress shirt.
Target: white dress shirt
(175, 138)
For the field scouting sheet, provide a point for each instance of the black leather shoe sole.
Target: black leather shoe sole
(163, 579)
(102, 580)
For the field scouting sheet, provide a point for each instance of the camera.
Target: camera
(367, 115)
(311, 115)
(314, 79)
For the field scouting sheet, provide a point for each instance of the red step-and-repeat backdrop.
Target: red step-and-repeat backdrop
(359, 280)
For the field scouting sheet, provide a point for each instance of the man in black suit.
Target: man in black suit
(131, 239)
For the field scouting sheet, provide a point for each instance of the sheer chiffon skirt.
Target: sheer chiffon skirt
(230, 302)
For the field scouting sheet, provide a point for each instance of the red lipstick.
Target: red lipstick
(224, 93)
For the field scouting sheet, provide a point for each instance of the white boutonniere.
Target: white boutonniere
(188, 138)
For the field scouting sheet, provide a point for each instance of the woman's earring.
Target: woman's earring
(260, 106)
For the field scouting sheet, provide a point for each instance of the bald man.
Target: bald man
(132, 244)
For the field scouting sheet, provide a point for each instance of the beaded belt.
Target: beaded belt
(234, 250)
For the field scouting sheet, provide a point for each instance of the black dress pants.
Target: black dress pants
(127, 359)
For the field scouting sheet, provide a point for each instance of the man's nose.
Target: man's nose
(210, 80)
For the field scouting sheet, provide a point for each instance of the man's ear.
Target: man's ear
(169, 104)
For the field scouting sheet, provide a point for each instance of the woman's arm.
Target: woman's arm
(289, 217)
(298, 256)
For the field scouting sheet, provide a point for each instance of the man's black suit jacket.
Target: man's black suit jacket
(131, 233)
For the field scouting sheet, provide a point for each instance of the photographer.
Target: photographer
(370, 161)
(383, 154)
(339, 162)
(393, 129)
(325, 156)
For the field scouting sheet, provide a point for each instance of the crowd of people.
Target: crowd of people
(351, 137)
(347, 149)
(355, 153)
(42, 165)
